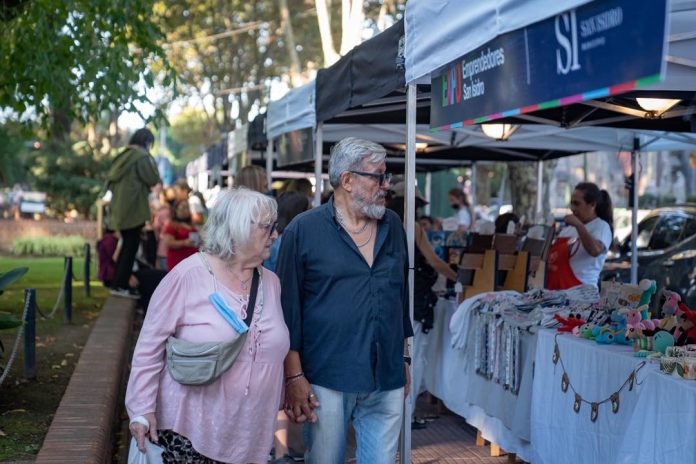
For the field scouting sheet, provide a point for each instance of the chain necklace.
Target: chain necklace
(372, 229)
(242, 283)
(342, 221)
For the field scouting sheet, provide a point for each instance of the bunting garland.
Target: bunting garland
(594, 405)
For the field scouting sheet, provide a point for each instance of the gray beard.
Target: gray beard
(373, 211)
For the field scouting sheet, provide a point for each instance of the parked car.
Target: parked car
(666, 253)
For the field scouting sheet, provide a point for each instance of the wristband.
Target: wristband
(407, 360)
(293, 380)
(294, 376)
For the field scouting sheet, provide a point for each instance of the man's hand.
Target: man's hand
(300, 402)
(139, 431)
(407, 387)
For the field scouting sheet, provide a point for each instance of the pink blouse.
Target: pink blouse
(233, 419)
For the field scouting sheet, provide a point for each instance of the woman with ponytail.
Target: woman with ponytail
(578, 255)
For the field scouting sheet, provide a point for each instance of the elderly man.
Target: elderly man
(343, 269)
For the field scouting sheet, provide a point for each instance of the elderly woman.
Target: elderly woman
(232, 419)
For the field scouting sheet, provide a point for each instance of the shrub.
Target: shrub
(71, 245)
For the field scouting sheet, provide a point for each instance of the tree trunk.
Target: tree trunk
(327, 45)
(286, 24)
(352, 20)
(523, 188)
(60, 125)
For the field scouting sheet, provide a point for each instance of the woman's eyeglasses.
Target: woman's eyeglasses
(268, 227)
(381, 177)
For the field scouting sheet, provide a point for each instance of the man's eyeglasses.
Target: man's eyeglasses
(381, 178)
(269, 227)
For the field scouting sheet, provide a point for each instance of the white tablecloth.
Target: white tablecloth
(560, 435)
(447, 376)
(661, 430)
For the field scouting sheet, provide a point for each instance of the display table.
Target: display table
(559, 434)
(449, 374)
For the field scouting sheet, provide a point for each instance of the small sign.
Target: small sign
(599, 49)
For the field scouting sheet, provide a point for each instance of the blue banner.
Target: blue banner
(599, 49)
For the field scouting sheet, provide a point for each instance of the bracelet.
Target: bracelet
(295, 376)
(407, 360)
(293, 380)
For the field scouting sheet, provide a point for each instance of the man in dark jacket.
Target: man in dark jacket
(133, 173)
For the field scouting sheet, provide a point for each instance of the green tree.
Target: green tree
(72, 61)
(12, 147)
(71, 175)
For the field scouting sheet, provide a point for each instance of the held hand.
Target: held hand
(572, 220)
(407, 387)
(300, 402)
(139, 431)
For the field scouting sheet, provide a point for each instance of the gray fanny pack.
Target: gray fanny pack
(202, 363)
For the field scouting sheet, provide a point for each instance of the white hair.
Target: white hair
(229, 223)
(348, 154)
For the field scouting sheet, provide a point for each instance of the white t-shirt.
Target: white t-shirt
(585, 266)
(464, 217)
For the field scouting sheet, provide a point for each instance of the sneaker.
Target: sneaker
(418, 424)
(125, 293)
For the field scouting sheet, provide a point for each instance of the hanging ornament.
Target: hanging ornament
(565, 381)
(594, 411)
(615, 402)
(578, 402)
(631, 378)
(556, 353)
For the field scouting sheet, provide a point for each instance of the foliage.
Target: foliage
(11, 276)
(192, 131)
(72, 176)
(12, 147)
(71, 245)
(64, 61)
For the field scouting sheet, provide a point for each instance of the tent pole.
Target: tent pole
(634, 211)
(539, 218)
(473, 189)
(318, 151)
(428, 191)
(269, 163)
(410, 209)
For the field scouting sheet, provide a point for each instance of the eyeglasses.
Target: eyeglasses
(382, 178)
(269, 227)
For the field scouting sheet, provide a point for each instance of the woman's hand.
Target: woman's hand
(300, 402)
(140, 431)
(573, 220)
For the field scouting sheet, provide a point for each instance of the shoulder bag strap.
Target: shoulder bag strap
(252, 298)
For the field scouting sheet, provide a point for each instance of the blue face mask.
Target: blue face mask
(269, 193)
(227, 313)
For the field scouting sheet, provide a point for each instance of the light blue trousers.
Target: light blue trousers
(376, 418)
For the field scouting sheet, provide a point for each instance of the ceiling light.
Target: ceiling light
(420, 146)
(499, 131)
(656, 106)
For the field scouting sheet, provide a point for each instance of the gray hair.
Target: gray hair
(348, 154)
(230, 220)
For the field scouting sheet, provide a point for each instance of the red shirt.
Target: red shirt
(179, 232)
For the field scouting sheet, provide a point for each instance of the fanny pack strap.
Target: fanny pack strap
(252, 297)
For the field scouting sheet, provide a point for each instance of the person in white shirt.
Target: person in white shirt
(460, 203)
(589, 233)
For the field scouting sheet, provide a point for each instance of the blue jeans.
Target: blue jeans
(376, 418)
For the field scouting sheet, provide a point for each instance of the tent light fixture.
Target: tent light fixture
(656, 107)
(420, 146)
(499, 131)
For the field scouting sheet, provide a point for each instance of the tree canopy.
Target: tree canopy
(63, 61)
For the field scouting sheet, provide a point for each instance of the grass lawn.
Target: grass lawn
(27, 407)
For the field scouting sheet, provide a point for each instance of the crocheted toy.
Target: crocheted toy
(649, 288)
(569, 323)
(604, 335)
(685, 332)
(669, 311)
(656, 346)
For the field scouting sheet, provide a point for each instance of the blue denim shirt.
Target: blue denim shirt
(346, 319)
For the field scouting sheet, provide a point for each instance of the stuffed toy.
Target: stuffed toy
(649, 288)
(604, 335)
(685, 333)
(669, 311)
(654, 347)
(634, 319)
(569, 323)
